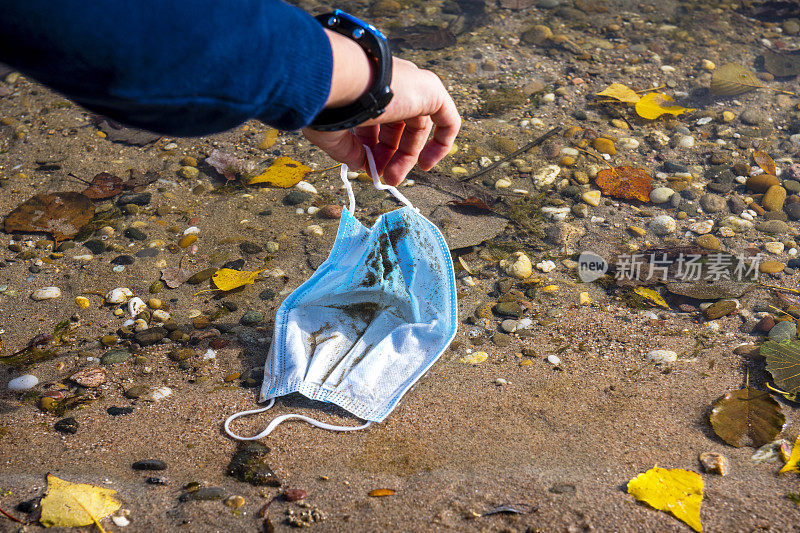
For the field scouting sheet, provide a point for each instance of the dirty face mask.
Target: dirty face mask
(369, 322)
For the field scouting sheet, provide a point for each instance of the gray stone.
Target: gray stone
(753, 116)
(772, 226)
(135, 234)
(137, 198)
(793, 210)
(509, 325)
(659, 195)
(95, 246)
(737, 204)
(115, 357)
(792, 186)
(663, 225)
(501, 339)
(784, 330)
(150, 335)
(248, 247)
(204, 494)
(296, 197)
(508, 309)
(712, 203)
(251, 318)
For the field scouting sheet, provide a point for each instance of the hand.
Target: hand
(399, 137)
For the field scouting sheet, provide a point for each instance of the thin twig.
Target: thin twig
(17, 520)
(535, 142)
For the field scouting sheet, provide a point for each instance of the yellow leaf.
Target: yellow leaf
(475, 358)
(651, 296)
(284, 172)
(620, 92)
(74, 504)
(228, 279)
(676, 491)
(269, 139)
(653, 105)
(793, 464)
(380, 493)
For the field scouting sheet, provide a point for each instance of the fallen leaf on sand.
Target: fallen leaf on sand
(174, 277)
(75, 504)
(227, 279)
(676, 491)
(653, 105)
(747, 417)
(651, 296)
(228, 165)
(783, 362)
(620, 92)
(380, 493)
(731, 79)
(284, 172)
(103, 186)
(627, 183)
(61, 215)
(792, 463)
(764, 161)
(472, 201)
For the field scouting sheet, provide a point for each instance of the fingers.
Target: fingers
(389, 139)
(343, 146)
(408, 150)
(448, 122)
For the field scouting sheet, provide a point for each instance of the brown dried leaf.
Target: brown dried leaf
(61, 215)
(138, 180)
(783, 362)
(103, 186)
(764, 161)
(731, 79)
(174, 277)
(116, 132)
(747, 417)
(782, 65)
(472, 201)
(627, 183)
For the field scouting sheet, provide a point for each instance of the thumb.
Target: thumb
(342, 146)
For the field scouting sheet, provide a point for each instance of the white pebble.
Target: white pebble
(469, 281)
(553, 359)
(299, 211)
(627, 143)
(555, 213)
(740, 179)
(500, 382)
(686, 142)
(312, 210)
(502, 183)
(774, 247)
(192, 230)
(667, 68)
(351, 175)
(546, 266)
(314, 230)
(160, 315)
(120, 521)
(703, 121)
(570, 151)
(524, 323)
(702, 227)
(663, 225)
(792, 252)
(549, 97)
(128, 322)
(747, 216)
(23, 382)
(305, 187)
(210, 354)
(136, 305)
(120, 295)
(139, 324)
(662, 356)
(158, 394)
(46, 293)
(83, 257)
(537, 122)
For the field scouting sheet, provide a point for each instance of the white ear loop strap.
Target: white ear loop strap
(373, 171)
(282, 418)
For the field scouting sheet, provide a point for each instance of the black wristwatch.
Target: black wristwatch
(374, 102)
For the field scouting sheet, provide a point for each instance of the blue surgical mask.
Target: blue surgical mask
(373, 318)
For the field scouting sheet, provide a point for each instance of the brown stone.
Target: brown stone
(708, 242)
(761, 183)
(714, 463)
(748, 351)
(719, 309)
(771, 267)
(774, 198)
(90, 377)
(765, 324)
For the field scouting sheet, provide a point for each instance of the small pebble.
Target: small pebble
(714, 463)
(149, 464)
(663, 225)
(662, 356)
(119, 295)
(46, 293)
(23, 382)
(553, 359)
(66, 425)
(314, 230)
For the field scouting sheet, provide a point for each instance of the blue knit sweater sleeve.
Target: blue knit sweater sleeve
(178, 67)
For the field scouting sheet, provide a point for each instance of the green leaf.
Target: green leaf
(747, 417)
(783, 362)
